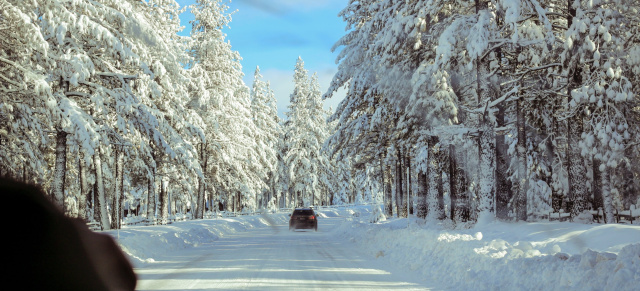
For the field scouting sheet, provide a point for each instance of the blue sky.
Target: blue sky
(273, 33)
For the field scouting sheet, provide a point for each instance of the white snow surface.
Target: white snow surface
(349, 252)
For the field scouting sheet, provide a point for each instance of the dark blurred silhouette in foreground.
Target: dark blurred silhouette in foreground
(48, 251)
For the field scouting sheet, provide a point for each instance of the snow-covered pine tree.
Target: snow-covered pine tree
(26, 97)
(318, 133)
(298, 138)
(574, 69)
(265, 117)
(164, 87)
(223, 101)
(86, 81)
(599, 32)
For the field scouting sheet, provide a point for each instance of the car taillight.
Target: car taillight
(312, 217)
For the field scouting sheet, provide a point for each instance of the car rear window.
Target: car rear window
(303, 212)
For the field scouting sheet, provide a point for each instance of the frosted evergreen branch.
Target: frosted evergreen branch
(10, 81)
(76, 93)
(117, 75)
(530, 70)
(14, 64)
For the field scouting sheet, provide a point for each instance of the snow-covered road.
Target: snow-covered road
(273, 258)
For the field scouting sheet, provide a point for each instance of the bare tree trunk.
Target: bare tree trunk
(606, 197)
(227, 201)
(232, 200)
(597, 184)
(386, 188)
(630, 189)
(118, 194)
(521, 201)
(85, 192)
(94, 198)
(409, 192)
(388, 207)
(172, 205)
(453, 180)
(154, 166)
(395, 189)
(386, 201)
(442, 160)
(273, 194)
(486, 146)
(164, 202)
(576, 170)
(421, 205)
(151, 198)
(289, 198)
(400, 203)
(556, 200)
(433, 177)
(486, 172)
(102, 200)
(503, 185)
(60, 170)
(199, 207)
(257, 201)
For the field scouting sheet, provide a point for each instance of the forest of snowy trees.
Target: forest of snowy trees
(105, 106)
(460, 110)
(480, 109)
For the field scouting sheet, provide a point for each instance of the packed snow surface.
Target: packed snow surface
(348, 252)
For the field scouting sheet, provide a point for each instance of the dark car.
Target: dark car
(303, 218)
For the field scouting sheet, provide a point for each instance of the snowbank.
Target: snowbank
(145, 244)
(507, 256)
(495, 256)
